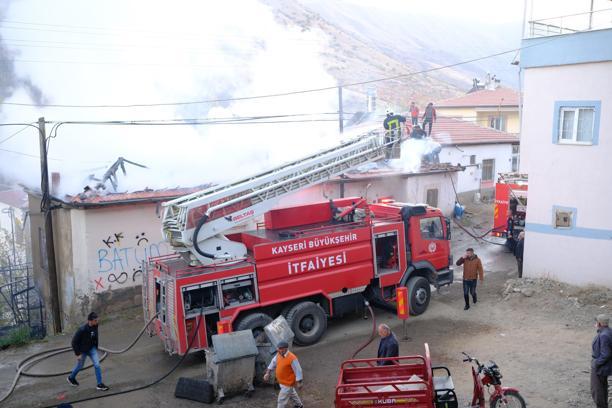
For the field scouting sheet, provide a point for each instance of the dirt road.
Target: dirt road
(539, 336)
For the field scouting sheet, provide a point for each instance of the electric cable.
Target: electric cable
(288, 93)
(14, 134)
(108, 31)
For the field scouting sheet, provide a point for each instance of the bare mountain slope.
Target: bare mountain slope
(366, 43)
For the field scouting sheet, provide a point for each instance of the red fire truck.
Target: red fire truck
(309, 262)
(510, 194)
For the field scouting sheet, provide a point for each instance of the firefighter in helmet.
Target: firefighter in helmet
(393, 130)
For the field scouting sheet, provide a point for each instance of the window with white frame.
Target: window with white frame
(576, 124)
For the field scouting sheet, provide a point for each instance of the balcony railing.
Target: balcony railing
(571, 23)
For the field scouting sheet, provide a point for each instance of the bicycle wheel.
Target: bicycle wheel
(511, 399)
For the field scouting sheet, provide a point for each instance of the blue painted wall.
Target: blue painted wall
(588, 46)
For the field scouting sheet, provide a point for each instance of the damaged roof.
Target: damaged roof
(449, 131)
(501, 96)
(133, 197)
(377, 174)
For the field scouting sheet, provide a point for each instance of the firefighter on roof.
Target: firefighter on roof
(393, 128)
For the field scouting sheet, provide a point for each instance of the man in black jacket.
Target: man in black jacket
(510, 238)
(518, 252)
(388, 346)
(85, 344)
(601, 364)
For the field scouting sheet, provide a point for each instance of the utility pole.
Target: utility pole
(45, 207)
(340, 111)
(591, 15)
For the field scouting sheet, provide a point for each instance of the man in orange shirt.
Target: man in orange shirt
(288, 374)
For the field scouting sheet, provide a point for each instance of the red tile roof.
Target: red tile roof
(14, 198)
(448, 131)
(134, 197)
(484, 98)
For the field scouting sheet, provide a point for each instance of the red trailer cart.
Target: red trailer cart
(407, 382)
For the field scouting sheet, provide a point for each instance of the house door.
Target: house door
(432, 197)
(488, 173)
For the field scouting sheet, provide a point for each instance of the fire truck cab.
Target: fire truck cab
(308, 263)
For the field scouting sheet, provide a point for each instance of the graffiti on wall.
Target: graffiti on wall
(120, 257)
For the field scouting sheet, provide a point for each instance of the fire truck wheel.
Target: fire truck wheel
(308, 322)
(287, 309)
(419, 294)
(256, 323)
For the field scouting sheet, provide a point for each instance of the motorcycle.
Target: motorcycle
(488, 375)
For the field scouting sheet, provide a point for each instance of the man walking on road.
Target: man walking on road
(518, 253)
(472, 271)
(85, 344)
(601, 364)
(288, 374)
(388, 346)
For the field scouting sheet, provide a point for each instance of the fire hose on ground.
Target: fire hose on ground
(477, 237)
(24, 365)
(373, 335)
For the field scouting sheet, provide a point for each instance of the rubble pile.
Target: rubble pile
(540, 287)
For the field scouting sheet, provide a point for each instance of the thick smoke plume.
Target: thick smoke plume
(10, 81)
(88, 53)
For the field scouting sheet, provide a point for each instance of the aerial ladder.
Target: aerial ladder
(194, 225)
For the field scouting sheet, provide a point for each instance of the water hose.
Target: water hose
(373, 335)
(477, 237)
(152, 383)
(34, 359)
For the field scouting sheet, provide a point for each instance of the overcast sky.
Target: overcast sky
(122, 52)
(486, 11)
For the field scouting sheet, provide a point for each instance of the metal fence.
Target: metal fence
(571, 23)
(20, 302)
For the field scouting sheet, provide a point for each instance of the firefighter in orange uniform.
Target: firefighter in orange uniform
(288, 374)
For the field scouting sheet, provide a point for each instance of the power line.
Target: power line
(126, 64)
(120, 47)
(281, 94)
(188, 121)
(14, 134)
(25, 154)
(102, 31)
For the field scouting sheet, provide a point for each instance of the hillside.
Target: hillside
(365, 44)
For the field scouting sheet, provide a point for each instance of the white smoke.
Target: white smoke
(412, 153)
(115, 52)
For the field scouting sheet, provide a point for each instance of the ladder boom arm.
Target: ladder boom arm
(207, 214)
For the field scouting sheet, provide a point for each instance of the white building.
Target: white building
(484, 152)
(431, 185)
(567, 151)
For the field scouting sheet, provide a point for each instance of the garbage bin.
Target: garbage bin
(230, 365)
